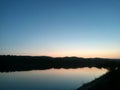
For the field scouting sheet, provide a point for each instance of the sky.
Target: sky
(58, 28)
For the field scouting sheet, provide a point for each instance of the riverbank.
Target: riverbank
(109, 81)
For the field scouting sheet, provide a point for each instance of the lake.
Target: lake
(50, 79)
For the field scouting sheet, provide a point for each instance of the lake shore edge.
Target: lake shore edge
(108, 81)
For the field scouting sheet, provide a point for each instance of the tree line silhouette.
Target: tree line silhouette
(23, 63)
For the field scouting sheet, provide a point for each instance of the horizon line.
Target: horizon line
(60, 56)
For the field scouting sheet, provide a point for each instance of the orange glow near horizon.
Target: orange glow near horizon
(84, 55)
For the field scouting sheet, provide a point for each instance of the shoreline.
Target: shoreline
(108, 81)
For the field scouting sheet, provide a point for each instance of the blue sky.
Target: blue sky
(84, 28)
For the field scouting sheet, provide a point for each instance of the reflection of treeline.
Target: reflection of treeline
(21, 63)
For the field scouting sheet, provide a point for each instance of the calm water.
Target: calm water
(52, 79)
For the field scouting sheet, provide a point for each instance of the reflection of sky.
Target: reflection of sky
(52, 79)
(88, 28)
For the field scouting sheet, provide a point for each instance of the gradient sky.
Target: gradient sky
(83, 28)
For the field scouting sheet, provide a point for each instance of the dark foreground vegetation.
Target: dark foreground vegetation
(24, 63)
(109, 81)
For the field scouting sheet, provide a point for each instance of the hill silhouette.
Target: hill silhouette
(24, 63)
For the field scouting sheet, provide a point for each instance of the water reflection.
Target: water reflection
(51, 79)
